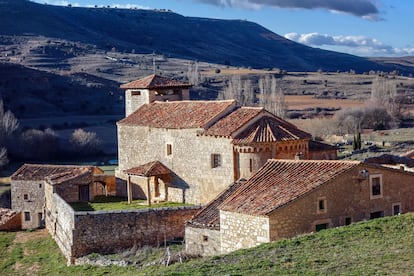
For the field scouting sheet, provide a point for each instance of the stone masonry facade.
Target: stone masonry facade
(268, 208)
(202, 241)
(81, 233)
(28, 198)
(347, 199)
(242, 231)
(194, 180)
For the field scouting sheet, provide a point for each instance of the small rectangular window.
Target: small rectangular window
(322, 226)
(375, 186)
(169, 149)
(322, 206)
(25, 196)
(251, 165)
(215, 160)
(135, 93)
(26, 216)
(348, 221)
(396, 209)
(205, 238)
(40, 185)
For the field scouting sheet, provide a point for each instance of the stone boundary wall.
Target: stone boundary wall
(111, 231)
(202, 241)
(60, 224)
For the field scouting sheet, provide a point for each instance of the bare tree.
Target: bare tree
(85, 142)
(384, 93)
(3, 157)
(193, 73)
(36, 144)
(271, 96)
(240, 90)
(8, 124)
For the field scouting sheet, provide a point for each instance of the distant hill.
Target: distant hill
(232, 42)
(32, 93)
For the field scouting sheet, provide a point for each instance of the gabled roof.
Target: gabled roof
(153, 168)
(270, 129)
(209, 216)
(38, 172)
(227, 125)
(279, 182)
(153, 82)
(77, 173)
(266, 128)
(179, 114)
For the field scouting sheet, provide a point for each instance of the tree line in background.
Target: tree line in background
(41, 145)
(265, 93)
(383, 110)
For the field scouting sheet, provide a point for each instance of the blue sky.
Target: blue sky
(360, 27)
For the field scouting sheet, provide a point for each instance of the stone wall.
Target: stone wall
(194, 180)
(202, 241)
(242, 231)
(28, 197)
(134, 98)
(60, 223)
(133, 101)
(10, 220)
(347, 198)
(111, 231)
(69, 189)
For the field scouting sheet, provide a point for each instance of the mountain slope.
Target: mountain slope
(234, 42)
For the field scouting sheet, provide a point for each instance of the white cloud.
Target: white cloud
(357, 45)
(366, 9)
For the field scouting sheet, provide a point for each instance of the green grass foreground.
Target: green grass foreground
(378, 247)
(110, 203)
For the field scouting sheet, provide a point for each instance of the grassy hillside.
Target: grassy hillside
(378, 247)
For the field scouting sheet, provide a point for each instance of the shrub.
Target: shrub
(85, 142)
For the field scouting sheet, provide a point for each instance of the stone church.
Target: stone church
(172, 148)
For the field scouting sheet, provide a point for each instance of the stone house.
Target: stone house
(204, 145)
(29, 182)
(286, 198)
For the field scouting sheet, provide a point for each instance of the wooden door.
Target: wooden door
(84, 193)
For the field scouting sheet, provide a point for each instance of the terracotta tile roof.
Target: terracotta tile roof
(318, 146)
(179, 114)
(209, 216)
(62, 177)
(270, 129)
(153, 82)
(36, 172)
(279, 182)
(153, 168)
(227, 125)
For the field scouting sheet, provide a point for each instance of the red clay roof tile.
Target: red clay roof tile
(179, 114)
(153, 168)
(270, 129)
(36, 172)
(209, 216)
(227, 125)
(279, 182)
(153, 82)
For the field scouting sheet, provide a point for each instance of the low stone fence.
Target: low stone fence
(82, 233)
